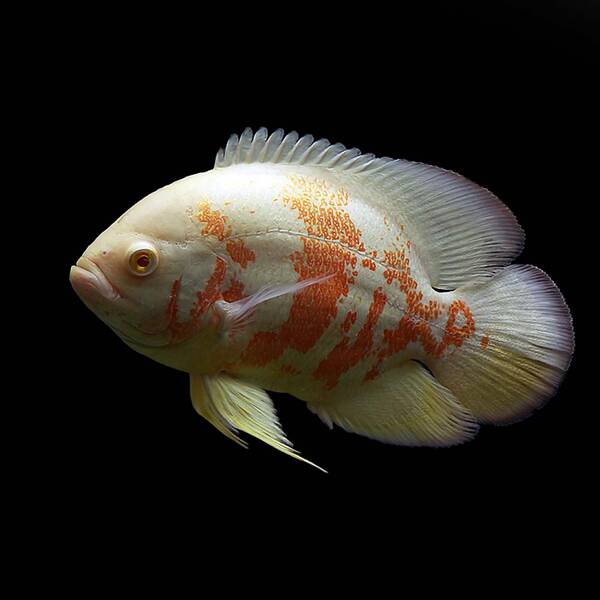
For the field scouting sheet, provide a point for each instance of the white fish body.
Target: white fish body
(375, 290)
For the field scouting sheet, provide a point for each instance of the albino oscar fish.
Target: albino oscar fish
(378, 291)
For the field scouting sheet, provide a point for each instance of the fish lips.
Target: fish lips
(90, 283)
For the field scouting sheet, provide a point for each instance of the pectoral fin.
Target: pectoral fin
(235, 315)
(232, 405)
(405, 406)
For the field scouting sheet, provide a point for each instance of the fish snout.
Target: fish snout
(90, 283)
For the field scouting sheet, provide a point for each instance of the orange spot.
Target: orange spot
(485, 340)
(371, 374)
(367, 262)
(345, 355)
(349, 320)
(211, 291)
(323, 210)
(399, 270)
(215, 223)
(415, 326)
(239, 252)
(313, 308)
(204, 298)
(172, 304)
(289, 370)
(411, 329)
(235, 291)
(454, 335)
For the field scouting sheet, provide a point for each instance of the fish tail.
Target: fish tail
(520, 349)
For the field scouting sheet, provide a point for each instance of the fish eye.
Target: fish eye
(143, 260)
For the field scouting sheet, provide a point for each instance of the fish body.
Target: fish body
(377, 291)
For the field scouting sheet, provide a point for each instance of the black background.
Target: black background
(504, 95)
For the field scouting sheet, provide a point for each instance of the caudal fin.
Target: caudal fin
(522, 349)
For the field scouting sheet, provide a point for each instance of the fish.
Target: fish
(378, 291)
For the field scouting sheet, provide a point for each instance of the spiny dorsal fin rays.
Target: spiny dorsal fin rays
(231, 405)
(462, 232)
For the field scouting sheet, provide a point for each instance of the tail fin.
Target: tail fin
(522, 349)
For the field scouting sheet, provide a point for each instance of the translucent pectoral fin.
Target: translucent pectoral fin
(232, 405)
(235, 315)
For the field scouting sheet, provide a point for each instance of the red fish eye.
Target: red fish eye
(143, 260)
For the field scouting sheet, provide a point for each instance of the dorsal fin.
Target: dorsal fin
(463, 232)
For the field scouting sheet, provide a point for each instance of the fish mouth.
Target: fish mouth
(89, 281)
(93, 287)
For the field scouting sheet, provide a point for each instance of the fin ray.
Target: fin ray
(404, 406)
(232, 405)
(525, 344)
(462, 231)
(235, 315)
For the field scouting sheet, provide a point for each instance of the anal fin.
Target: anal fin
(232, 405)
(405, 406)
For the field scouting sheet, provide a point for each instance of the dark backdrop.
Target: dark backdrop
(505, 96)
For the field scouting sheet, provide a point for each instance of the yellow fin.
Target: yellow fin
(404, 406)
(232, 405)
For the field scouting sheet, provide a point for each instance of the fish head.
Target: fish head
(141, 275)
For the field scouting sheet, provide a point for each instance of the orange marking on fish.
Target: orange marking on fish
(172, 304)
(204, 299)
(239, 252)
(399, 270)
(415, 325)
(411, 329)
(349, 320)
(371, 374)
(215, 222)
(454, 335)
(210, 293)
(323, 210)
(367, 262)
(235, 291)
(313, 308)
(345, 355)
(289, 370)
(485, 340)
